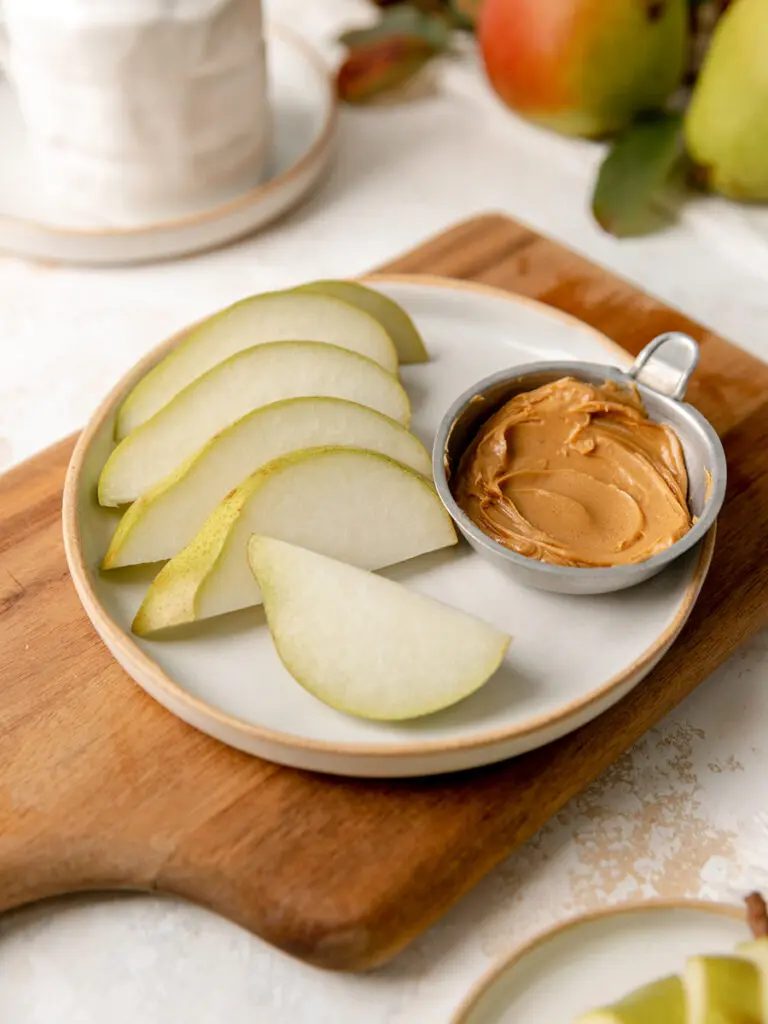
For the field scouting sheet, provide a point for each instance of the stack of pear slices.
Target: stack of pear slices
(712, 990)
(267, 459)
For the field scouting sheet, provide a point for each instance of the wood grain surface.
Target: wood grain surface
(101, 788)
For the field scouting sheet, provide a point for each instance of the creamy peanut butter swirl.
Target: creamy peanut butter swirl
(576, 474)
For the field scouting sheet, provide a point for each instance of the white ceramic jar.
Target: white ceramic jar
(136, 105)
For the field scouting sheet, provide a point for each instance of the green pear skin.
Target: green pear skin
(661, 1002)
(353, 504)
(726, 127)
(756, 950)
(722, 990)
(395, 321)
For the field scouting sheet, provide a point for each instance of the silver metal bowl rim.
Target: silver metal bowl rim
(651, 565)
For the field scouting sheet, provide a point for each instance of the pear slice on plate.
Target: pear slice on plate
(167, 517)
(355, 505)
(722, 990)
(756, 950)
(661, 1002)
(278, 316)
(246, 381)
(364, 644)
(393, 318)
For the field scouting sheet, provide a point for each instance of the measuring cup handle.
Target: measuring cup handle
(667, 371)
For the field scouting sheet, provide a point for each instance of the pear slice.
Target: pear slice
(722, 990)
(167, 517)
(364, 644)
(756, 950)
(661, 1002)
(393, 318)
(246, 381)
(277, 316)
(355, 505)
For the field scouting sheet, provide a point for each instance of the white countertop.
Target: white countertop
(679, 815)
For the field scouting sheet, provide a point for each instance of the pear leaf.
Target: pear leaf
(401, 19)
(381, 65)
(642, 162)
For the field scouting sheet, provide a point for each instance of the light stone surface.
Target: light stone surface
(682, 814)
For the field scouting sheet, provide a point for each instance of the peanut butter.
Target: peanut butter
(576, 474)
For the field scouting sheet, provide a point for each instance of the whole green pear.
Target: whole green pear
(726, 127)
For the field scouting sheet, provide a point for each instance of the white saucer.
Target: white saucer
(598, 959)
(303, 105)
(571, 657)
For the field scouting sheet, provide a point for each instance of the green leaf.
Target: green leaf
(380, 66)
(402, 19)
(643, 161)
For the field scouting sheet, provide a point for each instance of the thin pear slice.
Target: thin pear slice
(756, 950)
(277, 316)
(167, 517)
(358, 506)
(662, 1002)
(722, 990)
(393, 318)
(364, 644)
(242, 383)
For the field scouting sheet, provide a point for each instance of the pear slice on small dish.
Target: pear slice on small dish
(722, 990)
(166, 518)
(354, 505)
(392, 317)
(251, 379)
(661, 1002)
(364, 644)
(277, 316)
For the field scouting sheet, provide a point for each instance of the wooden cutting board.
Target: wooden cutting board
(101, 788)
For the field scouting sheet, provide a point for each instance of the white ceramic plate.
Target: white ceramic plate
(595, 960)
(571, 658)
(303, 105)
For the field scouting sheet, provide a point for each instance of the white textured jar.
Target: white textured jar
(135, 105)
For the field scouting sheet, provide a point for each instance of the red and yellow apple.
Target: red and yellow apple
(584, 67)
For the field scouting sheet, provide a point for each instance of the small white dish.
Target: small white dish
(571, 658)
(304, 112)
(596, 959)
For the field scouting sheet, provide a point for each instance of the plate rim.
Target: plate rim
(142, 664)
(245, 199)
(510, 959)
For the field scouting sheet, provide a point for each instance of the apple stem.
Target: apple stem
(757, 915)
